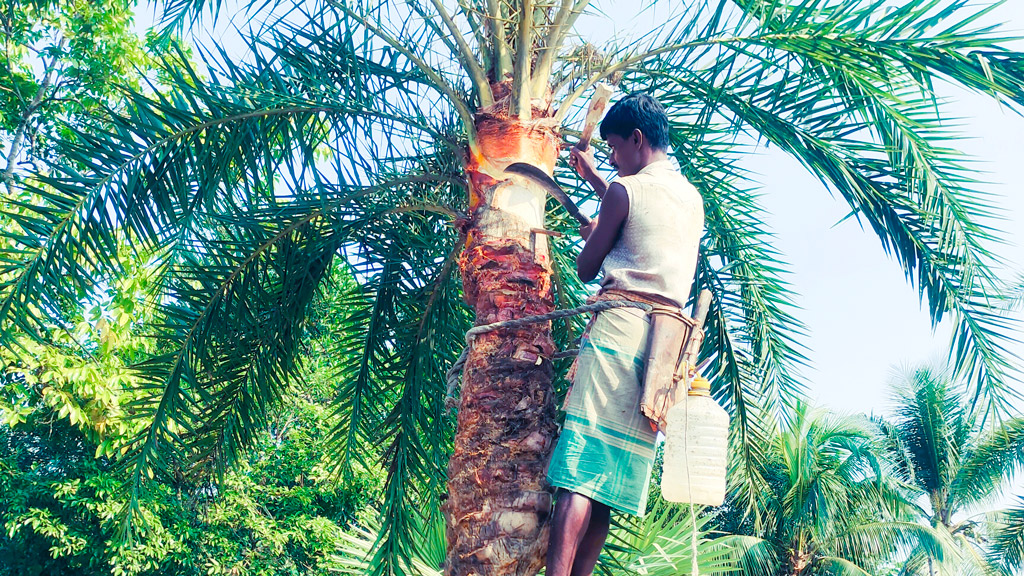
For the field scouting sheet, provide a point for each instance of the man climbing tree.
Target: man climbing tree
(646, 239)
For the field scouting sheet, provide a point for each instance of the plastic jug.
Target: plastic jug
(696, 445)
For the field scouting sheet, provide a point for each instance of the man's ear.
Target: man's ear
(637, 137)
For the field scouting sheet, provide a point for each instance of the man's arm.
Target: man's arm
(614, 209)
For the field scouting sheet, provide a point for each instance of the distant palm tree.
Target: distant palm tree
(827, 507)
(374, 134)
(941, 445)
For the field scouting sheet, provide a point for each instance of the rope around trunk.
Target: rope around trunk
(455, 372)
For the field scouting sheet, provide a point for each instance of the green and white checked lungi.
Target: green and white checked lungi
(606, 448)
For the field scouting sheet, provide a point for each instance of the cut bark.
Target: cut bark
(498, 498)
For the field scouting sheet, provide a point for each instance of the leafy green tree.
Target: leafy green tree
(374, 134)
(62, 60)
(64, 414)
(942, 445)
(280, 511)
(829, 507)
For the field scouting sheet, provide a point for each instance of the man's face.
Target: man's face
(624, 153)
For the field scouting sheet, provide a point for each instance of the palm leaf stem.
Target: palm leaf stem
(502, 58)
(171, 386)
(442, 85)
(469, 62)
(521, 105)
(470, 13)
(568, 12)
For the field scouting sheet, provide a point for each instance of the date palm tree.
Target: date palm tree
(373, 135)
(944, 448)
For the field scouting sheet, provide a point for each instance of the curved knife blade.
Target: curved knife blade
(550, 186)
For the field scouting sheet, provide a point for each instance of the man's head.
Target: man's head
(636, 130)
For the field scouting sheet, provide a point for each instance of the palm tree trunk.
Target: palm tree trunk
(498, 499)
(798, 561)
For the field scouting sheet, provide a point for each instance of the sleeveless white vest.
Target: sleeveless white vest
(656, 252)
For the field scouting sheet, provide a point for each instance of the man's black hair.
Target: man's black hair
(638, 111)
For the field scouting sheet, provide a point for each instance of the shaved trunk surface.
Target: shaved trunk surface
(498, 498)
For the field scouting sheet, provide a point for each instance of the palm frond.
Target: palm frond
(861, 115)
(354, 556)
(663, 544)
(1016, 294)
(1007, 544)
(363, 344)
(841, 567)
(873, 541)
(752, 335)
(887, 83)
(752, 300)
(757, 557)
(417, 430)
(993, 461)
(372, 20)
(222, 181)
(929, 417)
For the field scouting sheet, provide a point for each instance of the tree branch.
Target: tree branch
(469, 62)
(567, 14)
(19, 135)
(520, 105)
(502, 57)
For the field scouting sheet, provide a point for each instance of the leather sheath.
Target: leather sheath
(670, 332)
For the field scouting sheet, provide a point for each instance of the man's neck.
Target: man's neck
(650, 156)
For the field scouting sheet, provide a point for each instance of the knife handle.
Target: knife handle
(602, 93)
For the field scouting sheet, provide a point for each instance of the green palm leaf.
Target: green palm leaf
(995, 458)
(865, 121)
(941, 447)
(1007, 546)
(826, 503)
(663, 544)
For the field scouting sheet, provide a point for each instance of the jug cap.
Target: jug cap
(700, 386)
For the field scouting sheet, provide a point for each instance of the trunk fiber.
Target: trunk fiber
(498, 499)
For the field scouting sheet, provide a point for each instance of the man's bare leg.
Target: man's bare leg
(593, 540)
(569, 525)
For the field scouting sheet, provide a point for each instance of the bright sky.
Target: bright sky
(864, 318)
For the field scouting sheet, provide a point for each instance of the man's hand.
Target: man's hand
(586, 167)
(586, 231)
(583, 163)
